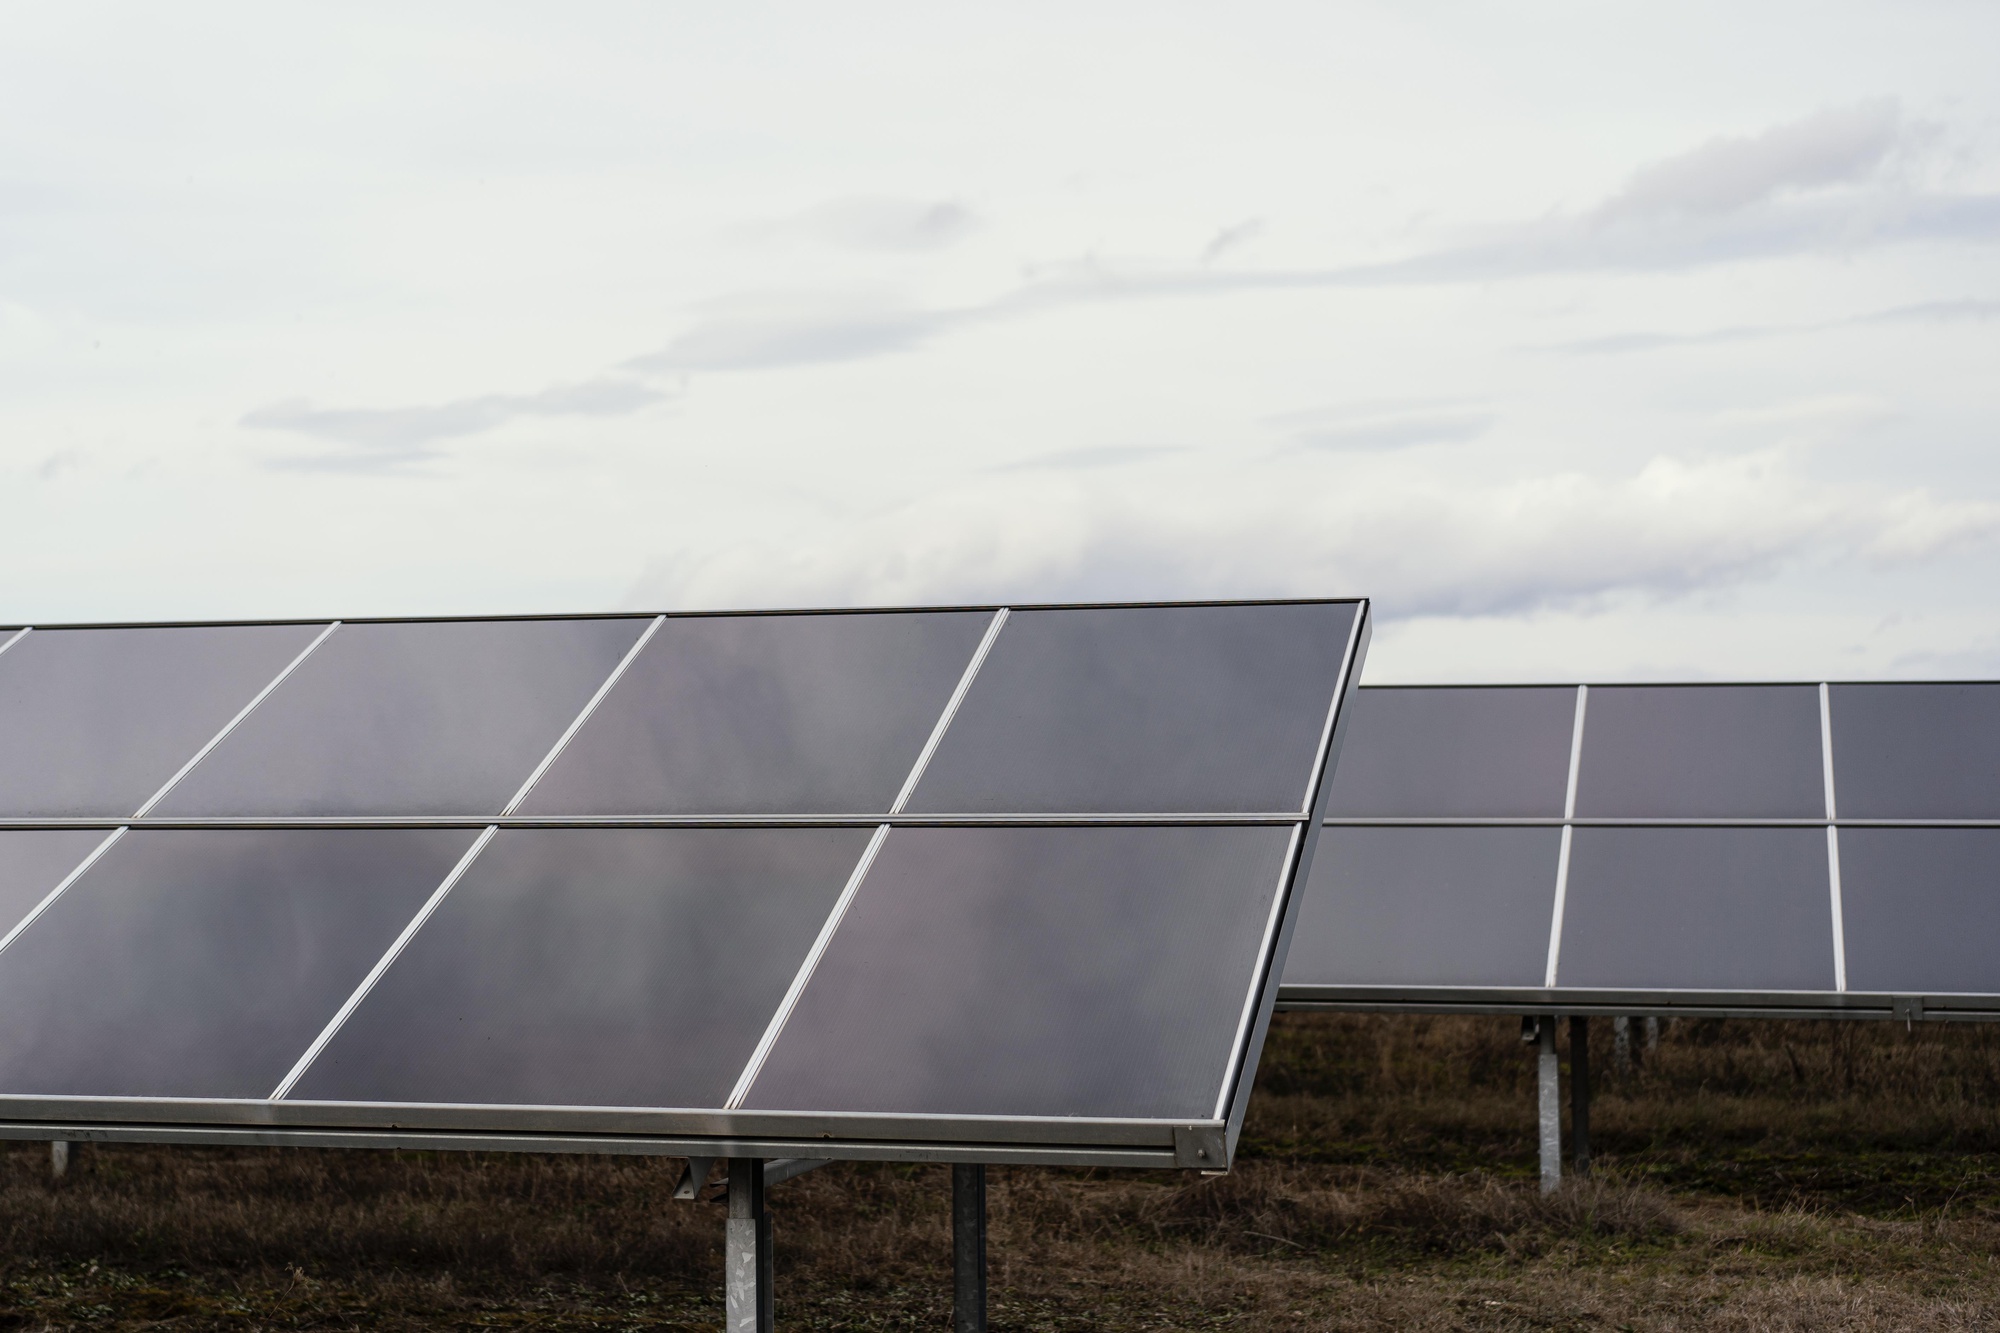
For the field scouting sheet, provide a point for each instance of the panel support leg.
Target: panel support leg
(968, 1249)
(1548, 1082)
(59, 1158)
(1579, 1093)
(1621, 1043)
(747, 1264)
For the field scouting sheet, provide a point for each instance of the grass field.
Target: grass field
(1752, 1176)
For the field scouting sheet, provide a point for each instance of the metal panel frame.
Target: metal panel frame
(720, 1132)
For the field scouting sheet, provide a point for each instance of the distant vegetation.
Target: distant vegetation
(1752, 1176)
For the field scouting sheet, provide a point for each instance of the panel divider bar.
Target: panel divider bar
(950, 711)
(234, 722)
(1568, 836)
(57, 892)
(1575, 751)
(402, 941)
(1272, 922)
(755, 1065)
(1832, 839)
(576, 725)
(16, 637)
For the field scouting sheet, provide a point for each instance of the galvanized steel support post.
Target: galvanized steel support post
(1549, 1086)
(1579, 1094)
(968, 1249)
(747, 1262)
(59, 1158)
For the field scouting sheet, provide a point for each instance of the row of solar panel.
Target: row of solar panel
(1877, 751)
(1916, 911)
(1011, 971)
(1110, 710)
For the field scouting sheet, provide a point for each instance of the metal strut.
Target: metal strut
(1548, 1080)
(968, 1249)
(747, 1272)
(1579, 1093)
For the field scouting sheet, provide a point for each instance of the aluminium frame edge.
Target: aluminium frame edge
(1268, 981)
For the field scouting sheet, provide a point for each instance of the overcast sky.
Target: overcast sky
(1592, 341)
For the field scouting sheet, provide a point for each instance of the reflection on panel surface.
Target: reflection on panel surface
(417, 718)
(1214, 708)
(1036, 972)
(761, 714)
(1917, 751)
(203, 963)
(94, 721)
(594, 968)
(1695, 752)
(34, 861)
(1922, 909)
(1440, 752)
(1697, 909)
(1427, 907)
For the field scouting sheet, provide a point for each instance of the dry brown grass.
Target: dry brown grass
(1758, 1176)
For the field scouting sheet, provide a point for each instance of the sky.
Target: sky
(1592, 341)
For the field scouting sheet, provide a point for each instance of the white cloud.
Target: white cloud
(1423, 541)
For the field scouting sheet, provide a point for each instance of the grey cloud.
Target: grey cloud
(1231, 238)
(1731, 173)
(1099, 457)
(388, 437)
(1394, 430)
(1928, 312)
(758, 333)
(875, 223)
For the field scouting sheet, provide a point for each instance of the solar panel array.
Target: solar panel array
(1013, 882)
(1737, 848)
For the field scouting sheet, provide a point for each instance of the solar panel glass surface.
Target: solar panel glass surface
(202, 963)
(33, 862)
(1427, 907)
(1441, 751)
(791, 714)
(1157, 709)
(1734, 909)
(1917, 751)
(1035, 972)
(1922, 909)
(1701, 752)
(412, 718)
(94, 721)
(601, 967)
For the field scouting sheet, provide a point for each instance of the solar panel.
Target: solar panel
(1922, 909)
(95, 721)
(1701, 752)
(1035, 972)
(1729, 909)
(765, 714)
(1137, 709)
(200, 963)
(1429, 907)
(596, 967)
(1719, 848)
(418, 718)
(1456, 751)
(1910, 751)
(33, 862)
(975, 884)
